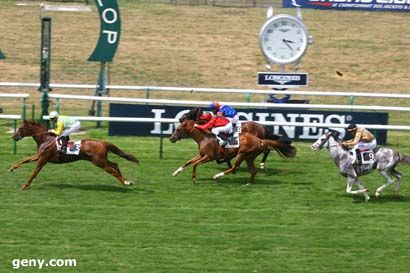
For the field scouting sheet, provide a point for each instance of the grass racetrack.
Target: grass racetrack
(296, 218)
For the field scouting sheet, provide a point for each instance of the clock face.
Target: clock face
(283, 39)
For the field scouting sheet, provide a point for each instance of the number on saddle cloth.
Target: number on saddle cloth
(73, 148)
(366, 156)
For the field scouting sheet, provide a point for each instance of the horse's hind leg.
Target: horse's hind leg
(389, 180)
(108, 167)
(399, 176)
(251, 169)
(265, 156)
(238, 161)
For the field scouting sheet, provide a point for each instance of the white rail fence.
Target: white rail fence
(235, 104)
(193, 103)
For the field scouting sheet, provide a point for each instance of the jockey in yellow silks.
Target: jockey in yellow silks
(64, 127)
(362, 139)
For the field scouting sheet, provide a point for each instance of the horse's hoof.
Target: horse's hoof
(377, 194)
(128, 183)
(25, 186)
(216, 176)
(246, 185)
(180, 169)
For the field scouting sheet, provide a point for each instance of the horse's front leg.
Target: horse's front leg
(40, 164)
(24, 161)
(187, 163)
(202, 160)
(362, 189)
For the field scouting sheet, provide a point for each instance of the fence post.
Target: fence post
(15, 142)
(24, 108)
(161, 141)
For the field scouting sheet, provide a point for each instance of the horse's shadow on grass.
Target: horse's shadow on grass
(268, 176)
(381, 199)
(93, 187)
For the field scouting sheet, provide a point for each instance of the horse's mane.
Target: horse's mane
(192, 114)
(35, 124)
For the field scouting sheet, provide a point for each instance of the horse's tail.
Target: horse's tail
(114, 149)
(283, 148)
(404, 158)
(269, 135)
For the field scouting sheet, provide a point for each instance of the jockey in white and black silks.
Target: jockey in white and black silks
(64, 127)
(362, 139)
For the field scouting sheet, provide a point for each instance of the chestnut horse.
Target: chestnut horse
(91, 150)
(251, 127)
(250, 147)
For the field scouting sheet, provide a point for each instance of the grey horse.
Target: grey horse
(385, 161)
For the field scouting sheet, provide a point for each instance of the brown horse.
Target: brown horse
(91, 150)
(251, 127)
(208, 148)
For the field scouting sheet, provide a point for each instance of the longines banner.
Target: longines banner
(258, 115)
(369, 5)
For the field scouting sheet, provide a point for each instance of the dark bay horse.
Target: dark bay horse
(251, 127)
(209, 150)
(92, 150)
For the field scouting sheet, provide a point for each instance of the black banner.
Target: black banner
(282, 79)
(261, 115)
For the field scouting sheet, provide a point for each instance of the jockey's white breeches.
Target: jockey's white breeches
(234, 120)
(76, 127)
(227, 129)
(366, 145)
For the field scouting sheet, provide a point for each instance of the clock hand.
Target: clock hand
(286, 42)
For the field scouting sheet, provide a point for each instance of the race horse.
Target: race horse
(92, 150)
(250, 127)
(385, 161)
(209, 150)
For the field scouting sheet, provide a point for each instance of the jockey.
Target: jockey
(217, 124)
(362, 139)
(225, 110)
(65, 126)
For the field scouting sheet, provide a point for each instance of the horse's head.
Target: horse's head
(28, 128)
(323, 141)
(182, 131)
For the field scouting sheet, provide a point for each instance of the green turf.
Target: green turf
(296, 218)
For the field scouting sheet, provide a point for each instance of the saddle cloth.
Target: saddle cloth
(366, 156)
(73, 147)
(233, 139)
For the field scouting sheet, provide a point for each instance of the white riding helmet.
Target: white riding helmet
(53, 114)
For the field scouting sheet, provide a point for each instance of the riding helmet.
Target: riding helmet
(53, 114)
(215, 105)
(352, 127)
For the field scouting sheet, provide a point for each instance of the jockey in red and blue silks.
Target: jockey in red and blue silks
(227, 112)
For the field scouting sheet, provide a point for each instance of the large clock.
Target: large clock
(283, 39)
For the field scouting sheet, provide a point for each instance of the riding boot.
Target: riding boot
(353, 156)
(64, 143)
(221, 141)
